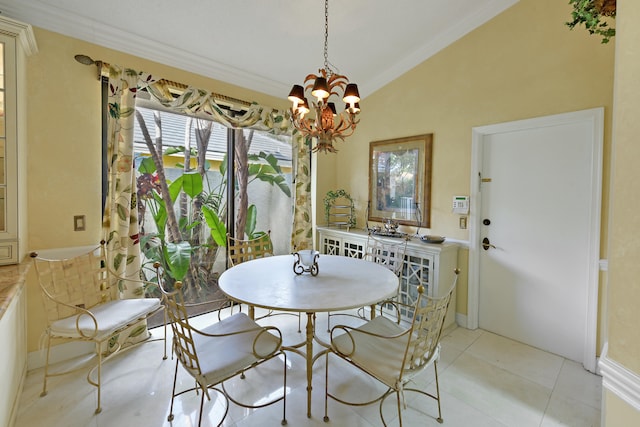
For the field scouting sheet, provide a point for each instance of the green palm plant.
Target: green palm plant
(189, 212)
(174, 256)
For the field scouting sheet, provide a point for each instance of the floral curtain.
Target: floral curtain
(120, 218)
(302, 231)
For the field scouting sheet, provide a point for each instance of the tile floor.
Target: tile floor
(485, 380)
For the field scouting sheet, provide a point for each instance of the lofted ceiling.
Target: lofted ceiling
(266, 45)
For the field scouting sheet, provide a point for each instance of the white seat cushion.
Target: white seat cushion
(380, 357)
(222, 357)
(111, 316)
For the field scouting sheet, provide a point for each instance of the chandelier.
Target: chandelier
(326, 125)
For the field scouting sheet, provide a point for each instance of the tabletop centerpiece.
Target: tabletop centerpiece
(306, 261)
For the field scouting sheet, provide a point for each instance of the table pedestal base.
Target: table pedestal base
(308, 354)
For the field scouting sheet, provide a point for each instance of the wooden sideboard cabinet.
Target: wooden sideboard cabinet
(432, 265)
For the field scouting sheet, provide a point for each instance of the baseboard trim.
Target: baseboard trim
(461, 320)
(619, 380)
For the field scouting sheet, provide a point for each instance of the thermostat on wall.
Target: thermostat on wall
(461, 205)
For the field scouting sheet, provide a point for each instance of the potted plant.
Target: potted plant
(594, 14)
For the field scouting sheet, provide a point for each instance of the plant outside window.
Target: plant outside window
(182, 189)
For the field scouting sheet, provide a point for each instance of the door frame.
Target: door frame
(595, 117)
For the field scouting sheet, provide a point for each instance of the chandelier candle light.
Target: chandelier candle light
(326, 126)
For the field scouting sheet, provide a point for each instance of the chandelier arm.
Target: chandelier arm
(335, 77)
(300, 123)
(307, 127)
(311, 78)
(349, 124)
(344, 122)
(340, 126)
(345, 130)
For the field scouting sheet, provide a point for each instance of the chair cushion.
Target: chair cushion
(222, 357)
(111, 317)
(380, 357)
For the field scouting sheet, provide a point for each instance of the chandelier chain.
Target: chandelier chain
(326, 36)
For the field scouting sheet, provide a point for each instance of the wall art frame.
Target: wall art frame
(400, 180)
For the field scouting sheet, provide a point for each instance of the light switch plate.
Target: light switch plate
(78, 223)
(463, 223)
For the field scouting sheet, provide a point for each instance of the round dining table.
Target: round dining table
(342, 283)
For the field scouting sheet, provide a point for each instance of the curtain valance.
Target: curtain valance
(203, 103)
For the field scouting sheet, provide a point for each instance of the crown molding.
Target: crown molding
(23, 32)
(72, 25)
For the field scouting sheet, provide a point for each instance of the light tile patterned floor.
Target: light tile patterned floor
(485, 380)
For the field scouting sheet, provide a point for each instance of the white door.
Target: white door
(537, 194)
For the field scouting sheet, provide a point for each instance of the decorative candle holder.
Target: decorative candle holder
(306, 261)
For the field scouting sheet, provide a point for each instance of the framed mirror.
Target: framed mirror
(400, 180)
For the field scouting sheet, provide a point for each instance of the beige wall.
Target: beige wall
(524, 63)
(64, 143)
(624, 269)
(617, 413)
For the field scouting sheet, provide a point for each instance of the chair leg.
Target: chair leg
(328, 321)
(435, 367)
(173, 392)
(326, 388)
(46, 367)
(166, 319)
(202, 410)
(284, 399)
(99, 381)
(399, 408)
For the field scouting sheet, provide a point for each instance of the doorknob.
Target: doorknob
(486, 221)
(486, 244)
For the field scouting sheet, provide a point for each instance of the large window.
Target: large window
(192, 156)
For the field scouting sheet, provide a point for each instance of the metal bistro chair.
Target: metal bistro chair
(240, 251)
(221, 351)
(391, 353)
(389, 254)
(81, 302)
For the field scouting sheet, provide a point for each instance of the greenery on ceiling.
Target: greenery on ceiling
(595, 15)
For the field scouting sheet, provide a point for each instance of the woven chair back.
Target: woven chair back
(426, 328)
(245, 250)
(388, 254)
(183, 343)
(81, 281)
